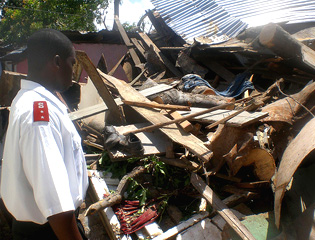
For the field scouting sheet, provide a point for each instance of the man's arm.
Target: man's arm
(65, 226)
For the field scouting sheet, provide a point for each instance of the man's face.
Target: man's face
(65, 74)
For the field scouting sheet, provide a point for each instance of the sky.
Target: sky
(129, 11)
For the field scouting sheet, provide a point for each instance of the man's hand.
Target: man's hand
(65, 226)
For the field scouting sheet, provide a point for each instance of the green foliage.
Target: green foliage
(137, 191)
(129, 27)
(166, 176)
(21, 18)
(118, 169)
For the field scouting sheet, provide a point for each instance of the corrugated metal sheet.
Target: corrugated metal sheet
(220, 20)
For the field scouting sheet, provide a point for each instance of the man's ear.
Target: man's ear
(57, 61)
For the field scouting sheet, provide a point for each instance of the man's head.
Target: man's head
(50, 59)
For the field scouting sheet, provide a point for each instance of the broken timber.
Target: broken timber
(177, 135)
(99, 108)
(100, 85)
(297, 150)
(241, 120)
(127, 42)
(220, 207)
(282, 43)
(157, 105)
(166, 62)
(162, 124)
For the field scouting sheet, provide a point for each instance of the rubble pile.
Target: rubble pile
(204, 139)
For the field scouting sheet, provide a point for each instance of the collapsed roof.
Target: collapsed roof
(221, 20)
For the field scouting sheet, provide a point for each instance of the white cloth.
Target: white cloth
(43, 170)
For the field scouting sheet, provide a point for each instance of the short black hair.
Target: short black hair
(43, 45)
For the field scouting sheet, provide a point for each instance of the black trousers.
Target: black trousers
(33, 231)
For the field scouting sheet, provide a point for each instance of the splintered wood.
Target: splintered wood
(194, 144)
(220, 207)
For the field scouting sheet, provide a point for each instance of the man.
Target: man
(44, 177)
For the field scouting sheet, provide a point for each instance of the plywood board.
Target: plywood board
(154, 143)
(99, 108)
(241, 120)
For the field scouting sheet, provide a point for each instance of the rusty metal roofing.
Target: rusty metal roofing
(220, 20)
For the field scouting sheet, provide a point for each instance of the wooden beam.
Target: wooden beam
(100, 85)
(164, 59)
(189, 141)
(221, 71)
(165, 123)
(138, 46)
(111, 72)
(241, 120)
(186, 125)
(127, 42)
(223, 120)
(156, 105)
(220, 207)
(101, 107)
(283, 44)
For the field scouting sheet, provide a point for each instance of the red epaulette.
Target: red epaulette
(40, 111)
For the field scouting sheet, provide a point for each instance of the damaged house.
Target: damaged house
(200, 129)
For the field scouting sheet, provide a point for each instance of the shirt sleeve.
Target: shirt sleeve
(43, 163)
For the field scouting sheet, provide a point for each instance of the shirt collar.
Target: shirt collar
(30, 85)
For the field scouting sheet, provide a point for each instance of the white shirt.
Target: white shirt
(43, 170)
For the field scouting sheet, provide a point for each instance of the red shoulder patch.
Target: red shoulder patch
(40, 111)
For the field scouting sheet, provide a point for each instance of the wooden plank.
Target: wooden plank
(99, 108)
(202, 230)
(220, 207)
(223, 120)
(294, 154)
(99, 85)
(98, 188)
(220, 222)
(221, 71)
(188, 117)
(192, 143)
(186, 125)
(127, 42)
(241, 120)
(149, 231)
(138, 46)
(182, 226)
(157, 105)
(164, 59)
(111, 72)
(154, 143)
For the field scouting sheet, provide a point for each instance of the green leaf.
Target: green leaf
(144, 197)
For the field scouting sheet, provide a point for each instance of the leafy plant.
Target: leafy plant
(136, 191)
(19, 19)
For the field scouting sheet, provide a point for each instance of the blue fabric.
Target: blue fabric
(236, 88)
